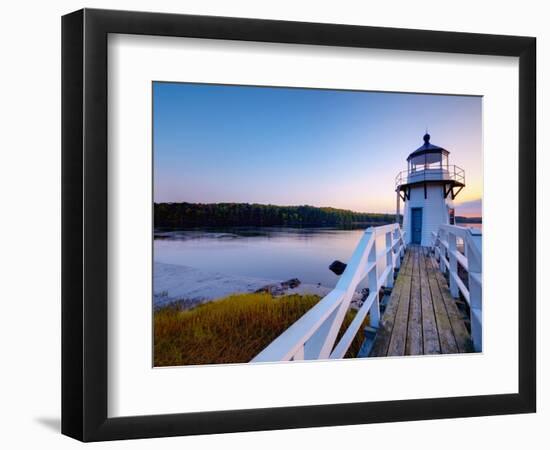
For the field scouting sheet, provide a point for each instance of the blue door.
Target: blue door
(416, 225)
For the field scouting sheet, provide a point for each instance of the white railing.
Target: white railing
(313, 336)
(447, 243)
(448, 172)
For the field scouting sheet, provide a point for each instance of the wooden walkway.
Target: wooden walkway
(421, 317)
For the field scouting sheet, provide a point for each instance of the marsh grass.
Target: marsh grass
(230, 330)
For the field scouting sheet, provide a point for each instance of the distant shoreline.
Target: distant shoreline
(464, 219)
(187, 215)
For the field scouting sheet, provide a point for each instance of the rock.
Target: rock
(386, 290)
(338, 267)
(291, 284)
(279, 288)
(268, 288)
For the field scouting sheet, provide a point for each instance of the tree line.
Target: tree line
(462, 219)
(189, 215)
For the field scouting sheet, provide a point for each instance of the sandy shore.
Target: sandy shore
(175, 283)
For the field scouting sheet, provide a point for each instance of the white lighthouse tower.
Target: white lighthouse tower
(427, 188)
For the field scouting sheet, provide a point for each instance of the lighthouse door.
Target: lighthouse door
(416, 225)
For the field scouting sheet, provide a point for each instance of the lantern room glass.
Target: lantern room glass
(429, 161)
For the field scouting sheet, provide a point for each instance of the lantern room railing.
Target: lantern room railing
(450, 173)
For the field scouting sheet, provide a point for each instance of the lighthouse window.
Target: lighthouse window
(417, 163)
(429, 161)
(433, 161)
(426, 161)
(445, 161)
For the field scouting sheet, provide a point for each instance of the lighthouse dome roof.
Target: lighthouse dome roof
(427, 147)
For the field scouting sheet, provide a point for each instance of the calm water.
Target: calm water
(272, 253)
(478, 226)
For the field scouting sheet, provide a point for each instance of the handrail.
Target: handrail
(450, 172)
(313, 336)
(445, 246)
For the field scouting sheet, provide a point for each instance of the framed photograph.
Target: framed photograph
(273, 224)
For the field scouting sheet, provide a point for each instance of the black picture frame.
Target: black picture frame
(84, 224)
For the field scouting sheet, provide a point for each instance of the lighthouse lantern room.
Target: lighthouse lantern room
(428, 188)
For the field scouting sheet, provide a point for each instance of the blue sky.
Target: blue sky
(216, 143)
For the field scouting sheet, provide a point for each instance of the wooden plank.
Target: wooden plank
(414, 345)
(429, 325)
(444, 329)
(383, 335)
(462, 337)
(399, 332)
(406, 268)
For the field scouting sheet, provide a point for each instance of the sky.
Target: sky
(288, 146)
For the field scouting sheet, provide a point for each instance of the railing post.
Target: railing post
(299, 355)
(475, 287)
(442, 250)
(397, 237)
(372, 279)
(320, 343)
(453, 265)
(389, 258)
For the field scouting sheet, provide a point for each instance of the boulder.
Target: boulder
(291, 284)
(338, 267)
